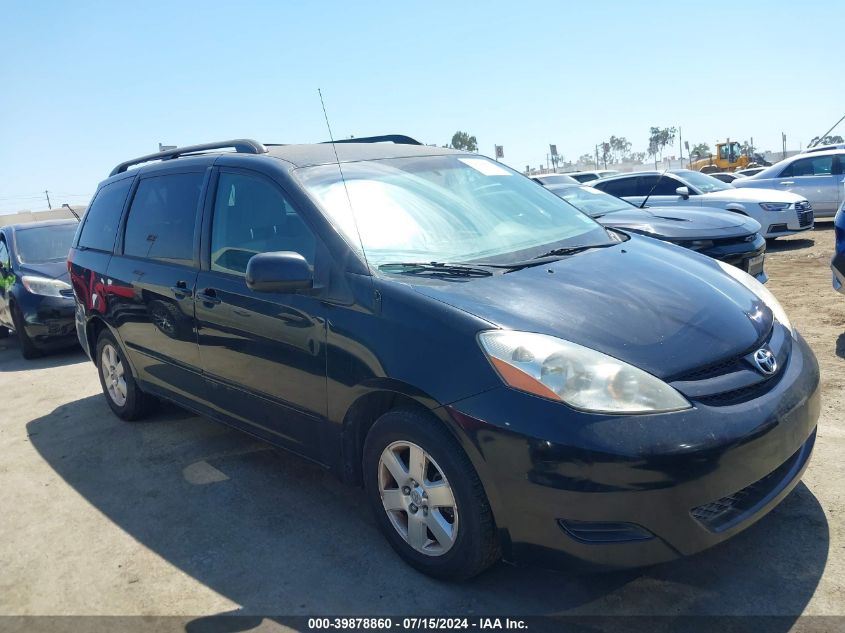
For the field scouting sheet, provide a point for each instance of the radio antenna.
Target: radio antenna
(342, 178)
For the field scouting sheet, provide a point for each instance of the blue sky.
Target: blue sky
(86, 85)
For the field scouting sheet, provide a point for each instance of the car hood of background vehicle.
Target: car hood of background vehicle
(651, 304)
(752, 194)
(683, 223)
(52, 270)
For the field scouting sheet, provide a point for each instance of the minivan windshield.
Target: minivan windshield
(703, 182)
(448, 208)
(39, 245)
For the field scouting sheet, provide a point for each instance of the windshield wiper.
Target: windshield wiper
(542, 259)
(435, 269)
(571, 250)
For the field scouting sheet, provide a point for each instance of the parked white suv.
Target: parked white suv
(778, 212)
(818, 176)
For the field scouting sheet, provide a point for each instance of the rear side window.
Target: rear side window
(664, 186)
(103, 216)
(252, 215)
(618, 188)
(162, 218)
(816, 166)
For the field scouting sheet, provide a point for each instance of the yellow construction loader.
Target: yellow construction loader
(728, 157)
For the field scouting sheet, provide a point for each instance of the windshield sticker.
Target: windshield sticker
(486, 167)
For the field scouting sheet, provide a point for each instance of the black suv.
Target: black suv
(505, 376)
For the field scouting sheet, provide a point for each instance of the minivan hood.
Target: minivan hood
(752, 194)
(682, 223)
(51, 270)
(648, 303)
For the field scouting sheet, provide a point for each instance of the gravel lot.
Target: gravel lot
(181, 516)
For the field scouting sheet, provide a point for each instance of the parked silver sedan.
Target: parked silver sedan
(817, 176)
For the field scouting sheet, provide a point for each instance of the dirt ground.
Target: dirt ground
(181, 516)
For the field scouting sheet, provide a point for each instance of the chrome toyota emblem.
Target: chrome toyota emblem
(416, 496)
(765, 361)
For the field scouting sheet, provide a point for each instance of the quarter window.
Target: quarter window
(162, 218)
(103, 216)
(815, 166)
(252, 215)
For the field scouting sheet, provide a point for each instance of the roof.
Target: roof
(324, 153)
(566, 185)
(644, 172)
(813, 153)
(34, 225)
(823, 148)
(345, 150)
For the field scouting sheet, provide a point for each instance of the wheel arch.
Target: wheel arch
(378, 400)
(736, 208)
(94, 326)
(363, 413)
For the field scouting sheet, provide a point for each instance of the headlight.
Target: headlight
(761, 291)
(579, 376)
(44, 286)
(775, 206)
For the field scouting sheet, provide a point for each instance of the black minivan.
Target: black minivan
(505, 377)
(36, 300)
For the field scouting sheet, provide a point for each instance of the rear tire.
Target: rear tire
(119, 385)
(426, 497)
(28, 349)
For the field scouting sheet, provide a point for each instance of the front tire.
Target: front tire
(119, 385)
(427, 499)
(28, 349)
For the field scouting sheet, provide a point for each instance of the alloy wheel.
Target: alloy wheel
(417, 498)
(112, 370)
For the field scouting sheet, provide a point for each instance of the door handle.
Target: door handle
(209, 295)
(787, 182)
(180, 290)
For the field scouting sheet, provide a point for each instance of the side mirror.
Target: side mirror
(683, 192)
(282, 271)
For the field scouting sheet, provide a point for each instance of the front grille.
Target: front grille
(735, 396)
(805, 213)
(731, 510)
(716, 369)
(734, 241)
(726, 365)
(737, 379)
(66, 292)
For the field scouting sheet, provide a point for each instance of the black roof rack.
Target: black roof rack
(240, 145)
(399, 139)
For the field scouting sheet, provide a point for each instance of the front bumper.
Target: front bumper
(747, 256)
(789, 222)
(48, 321)
(628, 491)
